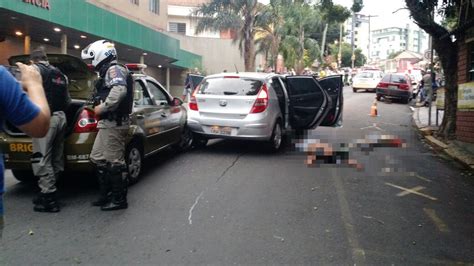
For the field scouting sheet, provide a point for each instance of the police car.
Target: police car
(158, 121)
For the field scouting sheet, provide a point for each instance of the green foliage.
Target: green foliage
(357, 6)
(346, 55)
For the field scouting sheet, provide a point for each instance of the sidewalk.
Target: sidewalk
(460, 151)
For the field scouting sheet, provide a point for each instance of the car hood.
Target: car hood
(81, 78)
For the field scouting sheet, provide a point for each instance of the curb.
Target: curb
(451, 150)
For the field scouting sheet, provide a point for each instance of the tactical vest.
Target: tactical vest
(55, 87)
(125, 106)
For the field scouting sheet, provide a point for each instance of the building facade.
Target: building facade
(394, 39)
(465, 105)
(357, 30)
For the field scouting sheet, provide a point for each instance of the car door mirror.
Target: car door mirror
(177, 101)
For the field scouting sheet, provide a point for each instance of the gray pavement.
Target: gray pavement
(461, 151)
(231, 203)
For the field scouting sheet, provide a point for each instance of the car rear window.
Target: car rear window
(386, 78)
(230, 86)
(399, 79)
(365, 75)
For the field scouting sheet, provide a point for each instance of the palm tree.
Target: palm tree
(238, 16)
(269, 30)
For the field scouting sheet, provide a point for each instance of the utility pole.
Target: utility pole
(339, 54)
(352, 38)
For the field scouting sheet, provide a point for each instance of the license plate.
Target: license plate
(393, 87)
(21, 147)
(221, 130)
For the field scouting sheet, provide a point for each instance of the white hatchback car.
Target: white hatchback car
(262, 106)
(366, 80)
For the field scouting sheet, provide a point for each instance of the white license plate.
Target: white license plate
(221, 130)
(393, 87)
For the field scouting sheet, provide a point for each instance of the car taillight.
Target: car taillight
(382, 85)
(262, 101)
(403, 86)
(87, 122)
(192, 102)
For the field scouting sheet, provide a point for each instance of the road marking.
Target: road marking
(411, 191)
(442, 227)
(358, 254)
(422, 178)
(374, 125)
(190, 217)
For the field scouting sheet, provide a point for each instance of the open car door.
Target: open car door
(309, 102)
(333, 85)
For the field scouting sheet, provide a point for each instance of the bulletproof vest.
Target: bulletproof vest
(55, 87)
(125, 106)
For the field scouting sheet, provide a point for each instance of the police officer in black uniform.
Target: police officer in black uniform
(115, 90)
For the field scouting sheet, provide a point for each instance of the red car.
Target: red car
(395, 85)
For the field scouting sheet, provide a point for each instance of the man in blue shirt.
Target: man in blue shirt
(27, 109)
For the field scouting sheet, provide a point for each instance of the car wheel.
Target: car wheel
(405, 100)
(24, 176)
(199, 141)
(186, 140)
(378, 97)
(134, 159)
(354, 90)
(276, 140)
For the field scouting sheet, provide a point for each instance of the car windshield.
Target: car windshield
(230, 86)
(365, 75)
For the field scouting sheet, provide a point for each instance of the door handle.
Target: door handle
(140, 116)
(163, 114)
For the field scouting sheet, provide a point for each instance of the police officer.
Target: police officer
(47, 159)
(114, 88)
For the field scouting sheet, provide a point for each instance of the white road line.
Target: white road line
(442, 227)
(422, 178)
(190, 217)
(411, 191)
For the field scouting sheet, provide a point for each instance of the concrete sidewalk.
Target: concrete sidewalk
(460, 151)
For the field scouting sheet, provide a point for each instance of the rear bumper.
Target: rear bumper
(391, 93)
(253, 127)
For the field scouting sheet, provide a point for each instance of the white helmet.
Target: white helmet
(100, 52)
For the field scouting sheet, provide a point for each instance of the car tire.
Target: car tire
(354, 90)
(378, 97)
(186, 140)
(406, 100)
(24, 176)
(134, 160)
(199, 141)
(276, 140)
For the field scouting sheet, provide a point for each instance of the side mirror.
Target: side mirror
(177, 101)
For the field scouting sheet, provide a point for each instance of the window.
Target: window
(135, 2)
(155, 6)
(140, 94)
(158, 94)
(470, 74)
(178, 27)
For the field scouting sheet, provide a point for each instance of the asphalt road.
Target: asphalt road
(231, 203)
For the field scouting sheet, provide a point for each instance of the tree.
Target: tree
(422, 11)
(269, 30)
(332, 14)
(346, 54)
(238, 16)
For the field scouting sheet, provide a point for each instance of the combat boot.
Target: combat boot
(119, 189)
(104, 186)
(46, 202)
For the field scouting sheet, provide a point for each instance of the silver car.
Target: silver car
(262, 106)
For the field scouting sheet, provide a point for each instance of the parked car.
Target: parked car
(366, 80)
(262, 106)
(395, 85)
(158, 121)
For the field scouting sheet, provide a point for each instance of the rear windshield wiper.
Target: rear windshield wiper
(230, 93)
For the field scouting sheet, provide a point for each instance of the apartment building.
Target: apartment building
(393, 39)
